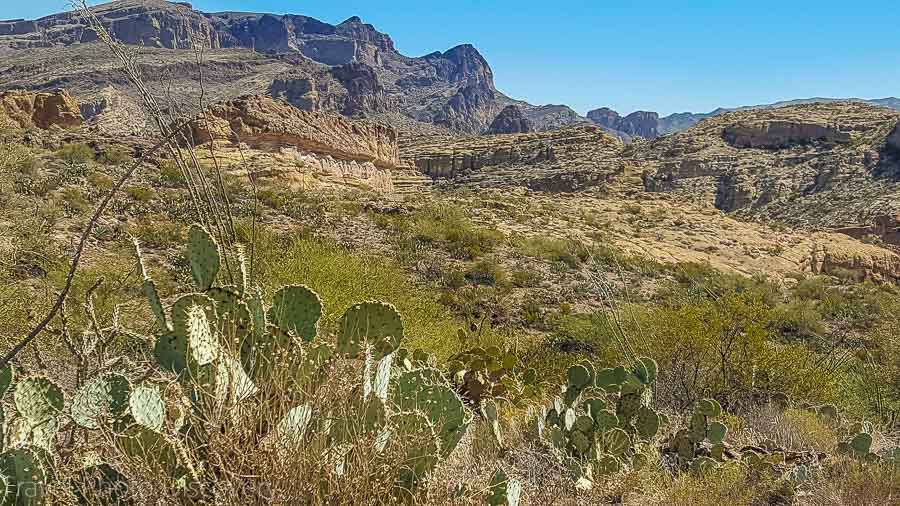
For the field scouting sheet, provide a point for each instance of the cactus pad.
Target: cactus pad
(24, 475)
(716, 432)
(617, 442)
(645, 370)
(203, 255)
(148, 408)
(104, 397)
(38, 399)
(861, 443)
(296, 310)
(292, 427)
(608, 464)
(373, 323)
(647, 422)
(6, 379)
(578, 376)
(709, 407)
(503, 491)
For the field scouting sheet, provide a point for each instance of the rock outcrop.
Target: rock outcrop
(818, 165)
(781, 134)
(637, 124)
(263, 123)
(893, 140)
(42, 110)
(511, 121)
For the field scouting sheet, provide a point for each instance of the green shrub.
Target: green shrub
(446, 227)
(141, 194)
(526, 278)
(116, 155)
(155, 232)
(75, 153)
(487, 272)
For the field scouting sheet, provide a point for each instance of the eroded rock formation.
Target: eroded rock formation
(264, 123)
(781, 134)
(41, 110)
(511, 121)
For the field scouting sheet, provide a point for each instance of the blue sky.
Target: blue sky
(665, 56)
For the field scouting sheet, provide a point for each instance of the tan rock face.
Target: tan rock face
(781, 134)
(267, 124)
(41, 110)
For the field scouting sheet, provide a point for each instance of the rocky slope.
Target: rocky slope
(350, 68)
(821, 165)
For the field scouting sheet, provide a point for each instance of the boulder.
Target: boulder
(511, 120)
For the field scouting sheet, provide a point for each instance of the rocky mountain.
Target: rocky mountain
(650, 125)
(511, 121)
(637, 124)
(350, 68)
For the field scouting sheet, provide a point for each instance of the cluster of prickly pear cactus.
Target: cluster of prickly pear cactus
(602, 416)
(490, 373)
(224, 340)
(700, 446)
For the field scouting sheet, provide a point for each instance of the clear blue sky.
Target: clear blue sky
(666, 56)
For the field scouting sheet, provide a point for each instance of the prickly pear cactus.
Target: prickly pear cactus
(503, 491)
(602, 417)
(688, 443)
(147, 408)
(103, 398)
(490, 373)
(25, 476)
(203, 255)
(296, 310)
(370, 324)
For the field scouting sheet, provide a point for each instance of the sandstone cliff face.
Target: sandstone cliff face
(781, 134)
(41, 110)
(511, 120)
(267, 124)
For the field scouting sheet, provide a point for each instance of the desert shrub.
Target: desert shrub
(793, 429)
(142, 194)
(73, 201)
(849, 483)
(154, 232)
(570, 252)
(116, 155)
(526, 278)
(75, 153)
(447, 227)
(169, 174)
(487, 272)
(343, 278)
(799, 319)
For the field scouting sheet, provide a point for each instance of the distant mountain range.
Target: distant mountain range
(650, 126)
(350, 68)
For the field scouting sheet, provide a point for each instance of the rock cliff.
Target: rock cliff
(511, 120)
(637, 124)
(42, 110)
(266, 124)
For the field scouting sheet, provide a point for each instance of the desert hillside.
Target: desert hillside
(250, 258)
